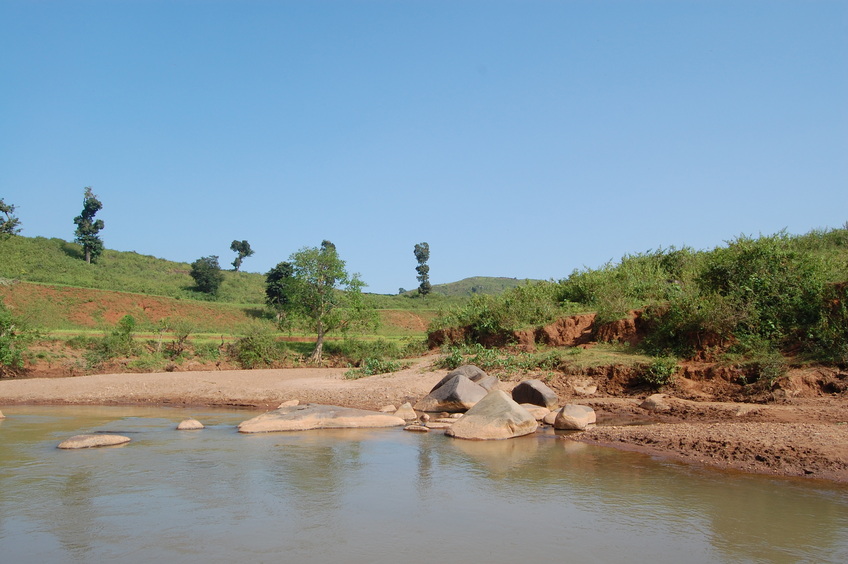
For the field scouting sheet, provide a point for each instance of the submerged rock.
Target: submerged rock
(457, 394)
(316, 416)
(496, 416)
(574, 417)
(189, 425)
(535, 392)
(92, 441)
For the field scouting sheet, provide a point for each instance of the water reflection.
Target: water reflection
(381, 496)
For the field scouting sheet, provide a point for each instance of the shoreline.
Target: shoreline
(804, 438)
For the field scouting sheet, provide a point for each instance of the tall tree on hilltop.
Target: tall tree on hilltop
(243, 249)
(422, 255)
(307, 294)
(88, 228)
(10, 225)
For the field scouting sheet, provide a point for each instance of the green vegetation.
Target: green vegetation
(88, 228)
(508, 362)
(309, 297)
(751, 301)
(529, 305)
(11, 225)
(14, 337)
(207, 274)
(475, 285)
(422, 255)
(54, 261)
(242, 248)
(660, 372)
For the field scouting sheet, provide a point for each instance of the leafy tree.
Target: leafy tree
(279, 290)
(243, 249)
(207, 274)
(10, 225)
(309, 295)
(88, 228)
(422, 255)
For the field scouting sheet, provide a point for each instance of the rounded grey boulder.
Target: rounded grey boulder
(496, 416)
(574, 417)
(535, 392)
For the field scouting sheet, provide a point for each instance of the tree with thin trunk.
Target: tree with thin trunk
(309, 294)
(243, 249)
(422, 255)
(11, 225)
(88, 228)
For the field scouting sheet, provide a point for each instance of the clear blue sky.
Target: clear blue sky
(521, 138)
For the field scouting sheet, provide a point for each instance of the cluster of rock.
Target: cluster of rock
(491, 413)
(468, 401)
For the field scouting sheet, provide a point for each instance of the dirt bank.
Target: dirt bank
(792, 436)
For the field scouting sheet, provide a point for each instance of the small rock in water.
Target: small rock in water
(189, 425)
(438, 425)
(417, 428)
(406, 412)
(2, 416)
(91, 441)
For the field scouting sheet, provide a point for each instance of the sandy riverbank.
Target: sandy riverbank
(800, 437)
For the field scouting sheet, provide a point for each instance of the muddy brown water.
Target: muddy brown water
(374, 496)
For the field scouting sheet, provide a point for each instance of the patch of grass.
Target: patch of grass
(372, 366)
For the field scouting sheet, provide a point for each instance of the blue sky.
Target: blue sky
(518, 138)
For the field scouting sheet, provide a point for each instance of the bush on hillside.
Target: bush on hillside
(14, 337)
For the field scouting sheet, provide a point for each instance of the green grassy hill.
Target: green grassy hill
(54, 261)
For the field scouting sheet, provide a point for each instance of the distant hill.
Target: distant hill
(479, 285)
(58, 262)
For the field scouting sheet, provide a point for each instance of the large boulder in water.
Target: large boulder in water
(574, 417)
(92, 441)
(456, 395)
(496, 416)
(315, 416)
(473, 373)
(535, 392)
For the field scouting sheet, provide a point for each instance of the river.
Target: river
(375, 496)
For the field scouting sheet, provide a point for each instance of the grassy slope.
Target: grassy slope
(48, 283)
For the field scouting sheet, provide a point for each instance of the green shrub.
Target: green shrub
(372, 366)
(660, 372)
(257, 348)
(207, 351)
(357, 351)
(14, 337)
